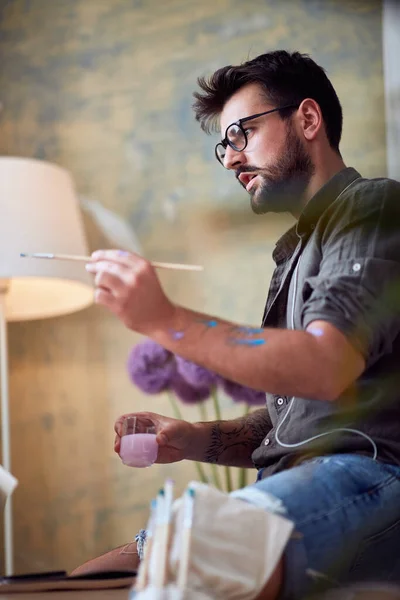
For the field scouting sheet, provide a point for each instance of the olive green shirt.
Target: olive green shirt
(341, 264)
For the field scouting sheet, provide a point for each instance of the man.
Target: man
(327, 446)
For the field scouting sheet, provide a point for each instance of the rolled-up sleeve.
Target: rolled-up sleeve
(357, 288)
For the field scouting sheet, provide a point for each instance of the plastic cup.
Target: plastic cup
(138, 442)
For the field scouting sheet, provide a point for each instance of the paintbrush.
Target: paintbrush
(141, 581)
(188, 513)
(155, 558)
(164, 533)
(87, 259)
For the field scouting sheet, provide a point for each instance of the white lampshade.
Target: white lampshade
(39, 212)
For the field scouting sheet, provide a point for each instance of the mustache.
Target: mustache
(245, 169)
(248, 169)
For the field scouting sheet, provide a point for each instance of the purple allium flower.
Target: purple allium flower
(151, 367)
(195, 375)
(189, 394)
(242, 393)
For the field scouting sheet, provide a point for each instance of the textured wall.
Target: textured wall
(104, 89)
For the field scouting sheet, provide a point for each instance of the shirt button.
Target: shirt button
(266, 442)
(280, 401)
(312, 226)
(356, 267)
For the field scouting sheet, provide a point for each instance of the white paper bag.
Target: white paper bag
(235, 546)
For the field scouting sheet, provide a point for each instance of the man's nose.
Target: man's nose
(233, 158)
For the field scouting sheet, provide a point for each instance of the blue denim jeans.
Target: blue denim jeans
(346, 511)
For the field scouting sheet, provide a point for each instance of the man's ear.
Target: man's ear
(310, 118)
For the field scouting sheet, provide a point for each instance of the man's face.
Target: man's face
(275, 167)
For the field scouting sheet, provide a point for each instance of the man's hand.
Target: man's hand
(128, 286)
(174, 437)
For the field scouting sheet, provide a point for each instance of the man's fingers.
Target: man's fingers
(172, 433)
(111, 253)
(116, 256)
(118, 426)
(110, 281)
(145, 415)
(169, 431)
(105, 298)
(162, 439)
(120, 279)
(119, 269)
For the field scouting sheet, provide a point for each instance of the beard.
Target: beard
(283, 183)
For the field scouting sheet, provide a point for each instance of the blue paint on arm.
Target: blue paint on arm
(209, 322)
(244, 342)
(315, 331)
(177, 335)
(250, 330)
(245, 336)
(212, 323)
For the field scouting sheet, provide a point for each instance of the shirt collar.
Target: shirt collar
(313, 211)
(285, 245)
(324, 198)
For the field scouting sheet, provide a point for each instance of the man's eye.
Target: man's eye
(248, 130)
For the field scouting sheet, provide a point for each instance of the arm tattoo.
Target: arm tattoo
(232, 442)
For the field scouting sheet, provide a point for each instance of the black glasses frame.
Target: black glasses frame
(225, 142)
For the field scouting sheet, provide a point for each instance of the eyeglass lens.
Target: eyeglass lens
(236, 139)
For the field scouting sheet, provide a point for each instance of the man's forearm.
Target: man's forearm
(278, 361)
(231, 443)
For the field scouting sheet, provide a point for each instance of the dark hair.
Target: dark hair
(287, 78)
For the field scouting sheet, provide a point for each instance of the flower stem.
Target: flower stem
(217, 409)
(177, 412)
(175, 408)
(203, 477)
(214, 468)
(215, 400)
(243, 471)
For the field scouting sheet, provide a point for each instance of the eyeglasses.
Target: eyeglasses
(236, 136)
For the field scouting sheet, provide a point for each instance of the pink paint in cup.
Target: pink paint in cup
(138, 442)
